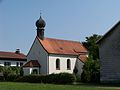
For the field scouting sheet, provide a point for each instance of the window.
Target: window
(21, 63)
(35, 71)
(17, 64)
(7, 63)
(68, 64)
(58, 64)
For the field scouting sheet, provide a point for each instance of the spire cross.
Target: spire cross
(40, 12)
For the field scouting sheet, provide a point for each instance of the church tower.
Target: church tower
(40, 24)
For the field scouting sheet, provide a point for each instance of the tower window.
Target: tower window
(68, 64)
(57, 64)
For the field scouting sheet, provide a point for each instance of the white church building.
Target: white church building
(50, 55)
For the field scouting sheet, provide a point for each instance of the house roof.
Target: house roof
(108, 33)
(57, 46)
(32, 63)
(83, 58)
(12, 56)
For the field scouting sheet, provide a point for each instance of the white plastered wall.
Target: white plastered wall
(37, 52)
(13, 62)
(79, 65)
(63, 63)
(29, 70)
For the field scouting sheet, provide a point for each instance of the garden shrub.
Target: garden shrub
(31, 78)
(61, 78)
(65, 78)
(1, 78)
(91, 71)
(78, 78)
(12, 77)
(10, 72)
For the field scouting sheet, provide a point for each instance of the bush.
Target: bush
(65, 78)
(28, 78)
(1, 78)
(61, 78)
(91, 71)
(78, 78)
(12, 77)
(10, 72)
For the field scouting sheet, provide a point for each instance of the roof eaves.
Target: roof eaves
(64, 54)
(31, 47)
(13, 59)
(107, 33)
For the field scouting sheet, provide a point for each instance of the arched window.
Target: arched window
(68, 64)
(58, 64)
(35, 71)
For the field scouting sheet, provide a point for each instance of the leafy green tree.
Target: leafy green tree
(10, 71)
(1, 68)
(6, 72)
(91, 70)
(91, 45)
(16, 70)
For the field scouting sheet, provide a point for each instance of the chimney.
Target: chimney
(17, 51)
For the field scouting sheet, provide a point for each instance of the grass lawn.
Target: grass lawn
(33, 86)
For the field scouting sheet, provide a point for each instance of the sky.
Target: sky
(65, 19)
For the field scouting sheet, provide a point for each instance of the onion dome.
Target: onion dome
(40, 23)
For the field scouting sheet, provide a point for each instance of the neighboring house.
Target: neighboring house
(109, 51)
(12, 58)
(49, 55)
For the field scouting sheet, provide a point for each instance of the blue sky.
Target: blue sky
(65, 19)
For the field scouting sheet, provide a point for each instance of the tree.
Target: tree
(91, 70)
(91, 45)
(8, 71)
(1, 69)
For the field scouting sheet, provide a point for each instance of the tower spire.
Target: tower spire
(40, 24)
(40, 13)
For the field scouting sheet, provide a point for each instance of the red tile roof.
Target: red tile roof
(32, 63)
(83, 58)
(57, 46)
(12, 56)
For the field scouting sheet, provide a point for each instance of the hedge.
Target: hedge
(61, 78)
(12, 77)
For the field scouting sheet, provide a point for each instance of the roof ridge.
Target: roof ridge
(7, 51)
(62, 40)
(11, 52)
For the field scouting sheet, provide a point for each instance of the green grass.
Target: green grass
(33, 86)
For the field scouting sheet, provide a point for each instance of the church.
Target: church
(51, 55)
